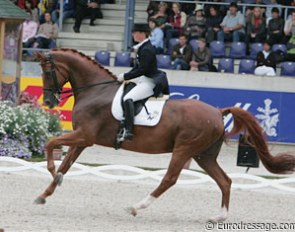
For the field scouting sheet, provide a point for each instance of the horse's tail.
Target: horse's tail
(245, 121)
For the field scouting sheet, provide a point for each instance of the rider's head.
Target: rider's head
(140, 32)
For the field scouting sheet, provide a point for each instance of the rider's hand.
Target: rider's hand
(121, 77)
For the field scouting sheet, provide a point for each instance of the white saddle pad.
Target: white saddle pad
(149, 117)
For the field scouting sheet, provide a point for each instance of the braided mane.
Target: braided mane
(86, 57)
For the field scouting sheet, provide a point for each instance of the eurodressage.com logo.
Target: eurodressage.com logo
(249, 226)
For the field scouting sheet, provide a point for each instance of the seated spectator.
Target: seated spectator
(176, 22)
(256, 28)
(213, 22)
(289, 28)
(156, 36)
(290, 56)
(250, 9)
(161, 15)
(222, 9)
(22, 4)
(266, 61)
(268, 12)
(46, 34)
(201, 59)
(32, 10)
(196, 24)
(68, 10)
(275, 27)
(30, 28)
(152, 8)
(85, 8)
(44, 7)
(181, 54)
(232, 25)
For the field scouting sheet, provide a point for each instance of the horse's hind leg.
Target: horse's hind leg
(208, 162)
(176, 164)
(73, 154)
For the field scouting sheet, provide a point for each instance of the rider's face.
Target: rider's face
(139, 36)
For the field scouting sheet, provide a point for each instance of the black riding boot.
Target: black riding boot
(129, 118)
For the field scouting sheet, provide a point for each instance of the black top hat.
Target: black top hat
(233, 4)
(142, 27)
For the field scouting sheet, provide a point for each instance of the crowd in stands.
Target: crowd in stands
(40, 30)
(225, 23)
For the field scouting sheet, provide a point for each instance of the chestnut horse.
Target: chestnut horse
(187, 128)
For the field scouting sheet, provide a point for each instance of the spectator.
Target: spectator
(176, 22)
(275, 27)
(161, 15)
(220, 8)
(85, 8)
(22, 3)
(30, 28)
(201, 59)
(266, 62)
(181, 54)
(152, 8)
(232, 25)
(44, 7)
(268, 12)
(213, 22)
(289, 28)
(256, 27)
(47, 33)
(32, 10)
(156, 36)
(290, 56)
(68, 11)
(196, 24)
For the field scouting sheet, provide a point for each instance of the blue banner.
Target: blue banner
(274, 110)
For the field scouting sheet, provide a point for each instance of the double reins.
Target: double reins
(57, 90)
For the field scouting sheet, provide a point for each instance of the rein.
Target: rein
(57, 90)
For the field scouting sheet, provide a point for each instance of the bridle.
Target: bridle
(56, 89)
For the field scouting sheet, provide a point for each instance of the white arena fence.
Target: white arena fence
(188, 177)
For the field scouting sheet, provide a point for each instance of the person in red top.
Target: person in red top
(21, 3)
(175, 26)
(256, 27)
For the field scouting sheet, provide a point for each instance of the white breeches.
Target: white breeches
(265, 71)
(143, 89)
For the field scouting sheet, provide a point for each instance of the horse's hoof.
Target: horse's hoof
(132, 211)
(58, 178)
(39, 201)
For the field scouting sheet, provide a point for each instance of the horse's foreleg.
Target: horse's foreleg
(176, 164)
(73, 154)
(210, 165)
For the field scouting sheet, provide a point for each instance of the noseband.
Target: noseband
(56, 89)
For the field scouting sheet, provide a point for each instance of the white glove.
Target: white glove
(121, 77)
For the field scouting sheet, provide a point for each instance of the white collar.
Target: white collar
(137, 46)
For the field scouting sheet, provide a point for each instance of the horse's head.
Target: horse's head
(54, 78)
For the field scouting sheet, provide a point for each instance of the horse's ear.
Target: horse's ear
(39, 55)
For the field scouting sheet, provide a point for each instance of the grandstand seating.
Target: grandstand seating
(172, 43)
(254, 49)
(122, 59)
(217, 49)
(288, 69)
(194, 44)
(226, 65)
(247, 66)
(164, 61)
(103, 57)
(281, 47)
(237, 50)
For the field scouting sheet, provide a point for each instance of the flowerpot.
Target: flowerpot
(57, 153)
